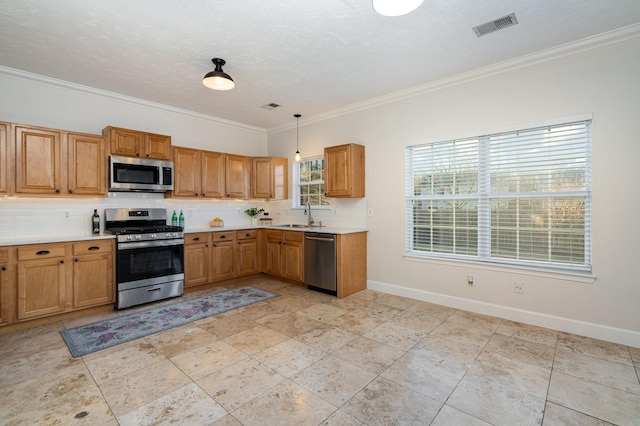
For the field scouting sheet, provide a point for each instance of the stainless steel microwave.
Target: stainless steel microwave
(137, 174)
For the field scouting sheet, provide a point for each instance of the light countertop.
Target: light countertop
(64, 238)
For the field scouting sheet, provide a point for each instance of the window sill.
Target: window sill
(576, 276)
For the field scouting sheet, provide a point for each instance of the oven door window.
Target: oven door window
(135, 173)
(149, 262)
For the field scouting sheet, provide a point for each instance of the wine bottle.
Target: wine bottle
(95, 222)
(174, 219)
(181, 220)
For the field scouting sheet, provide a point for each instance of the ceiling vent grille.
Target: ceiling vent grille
(270, 106)
(495, 25)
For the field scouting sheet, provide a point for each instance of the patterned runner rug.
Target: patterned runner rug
(105, 334)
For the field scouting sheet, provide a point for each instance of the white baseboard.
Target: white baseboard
(568, 325)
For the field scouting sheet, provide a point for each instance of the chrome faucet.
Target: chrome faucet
(310, 220)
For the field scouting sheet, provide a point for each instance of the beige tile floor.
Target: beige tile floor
(306, 358)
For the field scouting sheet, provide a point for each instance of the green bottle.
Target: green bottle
(174, 219)
(95, 222)
(181, 221)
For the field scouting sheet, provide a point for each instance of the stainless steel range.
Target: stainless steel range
(149, 255)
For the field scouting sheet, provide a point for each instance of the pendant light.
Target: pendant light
(395, 7)
(297, 157)
(218, 79)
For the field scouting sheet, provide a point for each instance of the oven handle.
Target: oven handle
(147, 244)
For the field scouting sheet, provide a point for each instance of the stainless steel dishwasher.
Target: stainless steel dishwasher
(320, 262)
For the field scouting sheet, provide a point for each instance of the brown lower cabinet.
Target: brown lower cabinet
(49, 279)
(216, 256)
(284, 254)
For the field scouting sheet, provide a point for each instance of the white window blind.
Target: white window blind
(521, 197)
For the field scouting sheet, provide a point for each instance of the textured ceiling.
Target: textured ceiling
(311, 57)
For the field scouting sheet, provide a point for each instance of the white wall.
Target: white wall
(602, 81)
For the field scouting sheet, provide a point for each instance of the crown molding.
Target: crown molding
(568, 49)
(49, 81)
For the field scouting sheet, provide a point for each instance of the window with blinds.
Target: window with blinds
(521, 197)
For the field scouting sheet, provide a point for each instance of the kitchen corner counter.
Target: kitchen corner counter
(338, 230)
(54, 239)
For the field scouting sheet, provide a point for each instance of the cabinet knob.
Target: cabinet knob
(137, 154)
(4, 267)
(76, 260)
(204, 195)
(196, 194)
(57, 191)
(62, 261)
(71, 191)
(247, 234)
(215, 245)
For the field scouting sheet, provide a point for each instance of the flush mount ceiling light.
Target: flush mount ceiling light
(218, 79)
(395, 7)
(297, 157)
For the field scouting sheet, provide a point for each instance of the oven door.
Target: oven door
(149, 262)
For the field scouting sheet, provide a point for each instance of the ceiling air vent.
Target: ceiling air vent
(270, 106)
(495, 25)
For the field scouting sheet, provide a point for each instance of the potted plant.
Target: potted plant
(254, 212)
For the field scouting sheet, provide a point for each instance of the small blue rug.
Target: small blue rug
(105, 334)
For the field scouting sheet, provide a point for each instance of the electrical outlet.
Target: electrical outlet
(471, 280)
(518, 287)
(67, 214)
(370, 212)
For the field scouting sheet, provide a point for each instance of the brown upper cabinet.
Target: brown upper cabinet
(5, 164)
(55, 162)
(133, 143)
(198, 173)
(237, 172)
(344, 171)
(269, 178)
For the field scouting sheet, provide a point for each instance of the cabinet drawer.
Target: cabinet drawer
(92, 247)
(274, 235)
(223, 236)
(247, 234)
(43, 251)
(196, 237)
(293, 235)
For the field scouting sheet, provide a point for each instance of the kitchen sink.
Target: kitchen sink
(297, 225)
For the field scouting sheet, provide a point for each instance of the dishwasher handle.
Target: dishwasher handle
(319, 239)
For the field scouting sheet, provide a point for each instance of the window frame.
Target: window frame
(297, 185)
(485, 198)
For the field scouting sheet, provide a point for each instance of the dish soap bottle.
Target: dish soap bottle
(181, 221)
(174, 219)
(95, 222)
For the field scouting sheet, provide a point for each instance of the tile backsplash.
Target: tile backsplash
(22, 218)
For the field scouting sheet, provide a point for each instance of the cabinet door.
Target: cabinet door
(223, 265)
(262, 177)
(344, 171)
(237, 169)
(186, 163)
(274, 257)
(270, 178)
(37, 161)
(213, 174)
(5, 287)
(5, 174)
(197, 259)
(86, 164)
(93, 280)
(157, 147)
(293, 260)
(247, 257)
(41, 287)
(125, 142)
